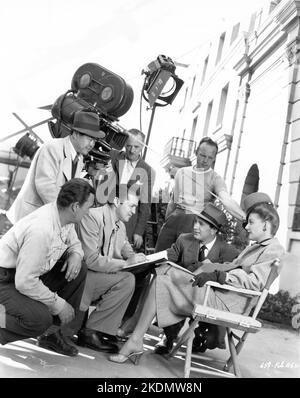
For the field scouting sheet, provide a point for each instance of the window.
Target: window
(220, 48)
(204, 69)
(194, 128)
(184, 101)
(207, 118)
(252, 22)
(192, 88)
(222, 105)
(296, 220)
(234, 33)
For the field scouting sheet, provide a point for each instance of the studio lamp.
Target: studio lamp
(26, 146)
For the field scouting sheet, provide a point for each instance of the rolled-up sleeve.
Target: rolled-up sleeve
(74, 244)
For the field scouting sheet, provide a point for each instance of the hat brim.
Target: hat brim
(210, 221)
(95, 134)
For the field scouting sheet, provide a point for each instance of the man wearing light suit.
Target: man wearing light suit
(55, 163)
(129, 173)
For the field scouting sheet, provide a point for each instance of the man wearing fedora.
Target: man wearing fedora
(55, 163)
(198, 250)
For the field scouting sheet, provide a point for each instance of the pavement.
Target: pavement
(273, 352)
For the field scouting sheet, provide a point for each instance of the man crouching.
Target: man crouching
(41, 277)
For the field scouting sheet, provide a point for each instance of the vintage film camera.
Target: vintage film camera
(99, 90)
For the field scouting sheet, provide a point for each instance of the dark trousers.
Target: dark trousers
(142, 280)
(177, 223)
(171, 332)
(25, 317)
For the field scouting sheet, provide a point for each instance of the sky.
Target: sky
(43, 43)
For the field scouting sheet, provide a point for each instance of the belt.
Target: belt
(7, 275)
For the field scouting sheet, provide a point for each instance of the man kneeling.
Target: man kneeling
(41, 277)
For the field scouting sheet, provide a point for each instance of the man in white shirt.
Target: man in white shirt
(194, 187)
(41, 277)
(55, 163)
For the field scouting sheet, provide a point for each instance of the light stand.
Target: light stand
(157, 75)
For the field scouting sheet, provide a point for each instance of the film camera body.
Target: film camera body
(98, 90)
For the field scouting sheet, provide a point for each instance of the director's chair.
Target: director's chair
(246, 324)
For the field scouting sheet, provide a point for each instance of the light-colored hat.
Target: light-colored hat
(87, 123)
(254, 199)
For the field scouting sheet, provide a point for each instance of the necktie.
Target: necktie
(74, 166)
(201, 255)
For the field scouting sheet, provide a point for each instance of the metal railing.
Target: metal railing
(180, 147)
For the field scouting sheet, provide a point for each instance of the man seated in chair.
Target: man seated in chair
(192, 251)
(106, 251)
(173, 295)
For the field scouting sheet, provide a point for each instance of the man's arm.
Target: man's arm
(90, 233)
(231, 205)
(174, 253)
(75, 255)
(31, 261)
(46, 174)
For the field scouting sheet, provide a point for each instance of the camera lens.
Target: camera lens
(84, 81)
(106, 93)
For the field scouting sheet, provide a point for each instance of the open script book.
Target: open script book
(153, 261)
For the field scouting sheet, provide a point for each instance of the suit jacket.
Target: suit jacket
(141, 182)
(50, 168)
(185, 251)
(103, 239)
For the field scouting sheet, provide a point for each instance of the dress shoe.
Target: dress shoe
(164, 347)
(206, 338)
(108, 337)
(93, 339)
(56, 342)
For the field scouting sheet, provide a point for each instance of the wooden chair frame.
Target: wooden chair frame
(247, 324)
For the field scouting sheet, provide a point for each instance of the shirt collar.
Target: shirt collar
(210, 244)
(112, 215)
(266, 242)
(73, 152)
(194, 168)
(133, 164)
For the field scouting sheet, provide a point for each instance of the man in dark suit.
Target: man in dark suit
(198, 251)
(130, 173)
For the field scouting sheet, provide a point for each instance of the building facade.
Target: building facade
(244, 92)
